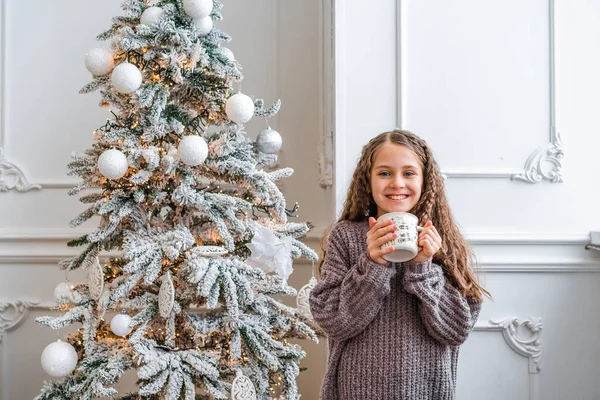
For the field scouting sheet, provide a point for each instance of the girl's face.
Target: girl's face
(396, 178)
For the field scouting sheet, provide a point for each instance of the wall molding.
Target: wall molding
(13, 313)
(529, 346)
(327, 85)
(545, 162)
(496, 253)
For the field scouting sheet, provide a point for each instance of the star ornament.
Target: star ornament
(270, 253)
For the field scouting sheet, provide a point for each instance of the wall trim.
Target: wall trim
(13, 313)
(495, 252)
(474, 238)
(545, 162)
(529, 346)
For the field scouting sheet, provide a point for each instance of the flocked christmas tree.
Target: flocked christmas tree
(197, 229)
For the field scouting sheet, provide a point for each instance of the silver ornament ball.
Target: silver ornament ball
(126, 78)
(59, 359)
(119, 324)
(99, 61)
(198, 8)
(269, 141)
(192, 150)
(112, 164)
(151, 15)
(239, 108)
(203, 25)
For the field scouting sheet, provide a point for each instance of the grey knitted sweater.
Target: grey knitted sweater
(393, 329)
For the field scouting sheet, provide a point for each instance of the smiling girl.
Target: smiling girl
(394, 329)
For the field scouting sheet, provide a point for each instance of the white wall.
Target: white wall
(474, 79)
(44, 119)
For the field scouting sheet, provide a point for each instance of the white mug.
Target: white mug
(406, 243)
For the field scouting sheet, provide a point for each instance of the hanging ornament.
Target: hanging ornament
(270, 253)
(151, 15)
(269, 141)
(210, 251)
(242, 388)
(198, 8)
(112, 164)
(166, 296)
(120, 324)
(96, 280)
(99, 61)
(192, 150)
(227, 53)
(64, 293)
(59, 359)
(302, 301)
(239, 108)
(126, 78)
(203, 25)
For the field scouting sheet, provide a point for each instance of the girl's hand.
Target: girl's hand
(379, 234)
(430, 242)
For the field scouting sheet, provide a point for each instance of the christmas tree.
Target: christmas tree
(193, 238)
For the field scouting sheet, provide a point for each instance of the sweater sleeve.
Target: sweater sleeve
(348, 297)
(448, 316)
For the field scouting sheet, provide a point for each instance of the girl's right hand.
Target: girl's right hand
(379, 234)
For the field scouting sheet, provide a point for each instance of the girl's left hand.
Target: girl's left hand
(430, 242)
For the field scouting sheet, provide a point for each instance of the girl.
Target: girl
(394, 329)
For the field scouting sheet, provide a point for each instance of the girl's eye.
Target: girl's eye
(384, 174)
(409, 173)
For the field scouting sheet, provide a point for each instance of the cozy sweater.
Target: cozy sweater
(393, 329)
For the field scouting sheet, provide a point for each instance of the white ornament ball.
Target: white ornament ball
(239, 108)
(59, 359)
(99, 61)
(227, 53)
(151, 15)
(198, 8)
(203, 25)
(269, 141)
(112, 164)
(120, 324)
(126, 78)
(192, 150)
(64, 293)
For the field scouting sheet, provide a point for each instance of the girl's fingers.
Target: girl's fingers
(385, 238)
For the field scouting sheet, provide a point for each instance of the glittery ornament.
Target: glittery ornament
(227, 53)
(96, 280)
(192, 150)
(151, 15)
(119, 324)
(99, 61)
(242, 388)
(302, 301)
(126, 78)
(64, 293)
(59, 359)
(203, 25)
(112, 164)
(269, 141)
(198, 8)
(166, 296)
(239, 108)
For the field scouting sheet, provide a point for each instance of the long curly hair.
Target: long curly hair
(455, 255)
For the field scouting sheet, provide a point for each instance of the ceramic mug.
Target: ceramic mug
(406, 243)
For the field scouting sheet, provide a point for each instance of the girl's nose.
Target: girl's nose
(397, 182)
